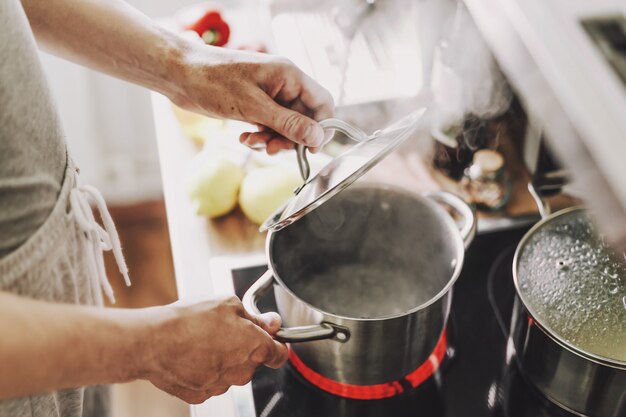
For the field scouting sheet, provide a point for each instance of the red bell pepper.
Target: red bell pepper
(211, 28)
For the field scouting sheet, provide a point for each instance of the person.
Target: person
(54, 334)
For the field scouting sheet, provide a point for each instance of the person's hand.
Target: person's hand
(265, 90)
(200, 350)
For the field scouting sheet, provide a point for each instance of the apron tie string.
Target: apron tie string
(103, 238)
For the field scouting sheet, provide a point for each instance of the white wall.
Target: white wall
(109, 123)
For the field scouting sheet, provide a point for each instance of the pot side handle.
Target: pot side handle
(468, 230)
(285, 335)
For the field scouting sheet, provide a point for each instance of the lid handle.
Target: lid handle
(347, 129)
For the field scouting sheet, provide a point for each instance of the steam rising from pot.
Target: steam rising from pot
(465, 80)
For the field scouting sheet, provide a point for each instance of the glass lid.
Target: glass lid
(344, 169)
(574, 285)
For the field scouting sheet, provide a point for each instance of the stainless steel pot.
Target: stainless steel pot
(366, 280)
(573, 351)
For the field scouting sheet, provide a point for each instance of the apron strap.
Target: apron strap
(103, 239)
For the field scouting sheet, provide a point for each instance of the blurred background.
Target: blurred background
(109, 123)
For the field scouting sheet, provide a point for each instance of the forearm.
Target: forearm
(48, 346)
(112, 37)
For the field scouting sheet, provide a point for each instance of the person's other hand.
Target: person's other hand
(198, 351)
(267, 91)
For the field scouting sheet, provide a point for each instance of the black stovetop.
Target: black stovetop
(474, 380)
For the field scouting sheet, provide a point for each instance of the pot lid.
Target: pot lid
(574, 286)
(342, 170)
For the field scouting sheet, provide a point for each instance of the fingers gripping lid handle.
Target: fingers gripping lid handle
(331, 124)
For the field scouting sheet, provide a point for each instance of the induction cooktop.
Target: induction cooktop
(479, 376)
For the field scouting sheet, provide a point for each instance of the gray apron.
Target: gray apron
(62, 262)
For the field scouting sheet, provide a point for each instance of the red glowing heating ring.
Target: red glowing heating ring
(378, 391)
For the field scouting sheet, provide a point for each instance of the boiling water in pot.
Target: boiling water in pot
(364, 291)
(575, 287)
(368, 253)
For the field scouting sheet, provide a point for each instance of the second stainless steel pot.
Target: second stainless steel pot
(569, 319)
(366, 281)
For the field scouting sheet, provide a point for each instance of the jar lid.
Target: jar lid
(488, 160)
(343, 170)
(574, 286)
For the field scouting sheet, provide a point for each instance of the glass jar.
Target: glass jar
(486, 182)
